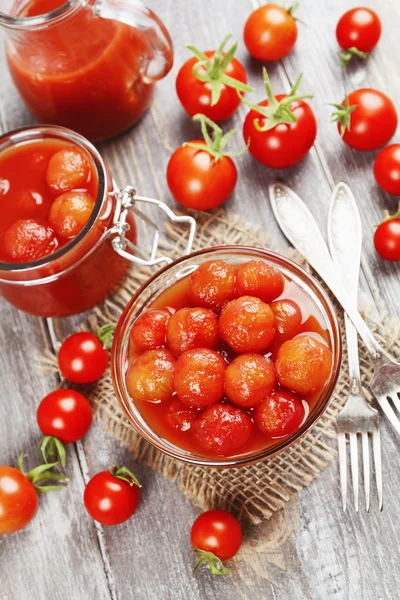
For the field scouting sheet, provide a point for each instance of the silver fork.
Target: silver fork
(301, 229)
(357, 416)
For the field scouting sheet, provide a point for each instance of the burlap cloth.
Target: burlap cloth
(260, 490)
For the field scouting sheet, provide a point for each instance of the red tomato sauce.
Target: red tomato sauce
(82, 73)
(156, 414)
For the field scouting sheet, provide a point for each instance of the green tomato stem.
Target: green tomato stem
(216, 144)
(214, 563)
(342, 115)
(347, 55)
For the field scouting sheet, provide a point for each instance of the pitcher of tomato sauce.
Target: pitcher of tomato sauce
(89, 65)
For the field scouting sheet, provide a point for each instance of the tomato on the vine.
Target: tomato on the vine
(82, 358)
(201, 174)
(111, 497)
(211, 81)
(280, 130)
(216, 536)
(367, 119)
(65, 414)
(18, 493)
(387, 169)
(387, 237)
(357, 32)
(270, 32)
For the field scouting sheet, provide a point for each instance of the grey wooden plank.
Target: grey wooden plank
(57, 555)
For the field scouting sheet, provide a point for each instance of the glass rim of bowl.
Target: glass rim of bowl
(14, 21)
(138, 422)
(40, 132)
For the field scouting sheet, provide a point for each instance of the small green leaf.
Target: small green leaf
(214, 563)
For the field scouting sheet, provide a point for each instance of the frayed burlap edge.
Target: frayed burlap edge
(253, 492)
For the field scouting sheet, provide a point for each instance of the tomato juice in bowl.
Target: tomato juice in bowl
(56, 254)
(176, 423)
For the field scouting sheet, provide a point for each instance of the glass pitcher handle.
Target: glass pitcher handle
(137, 15)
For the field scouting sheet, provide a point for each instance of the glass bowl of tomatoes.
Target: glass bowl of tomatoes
(227, 356)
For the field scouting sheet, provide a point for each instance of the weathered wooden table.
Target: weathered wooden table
(309, 551)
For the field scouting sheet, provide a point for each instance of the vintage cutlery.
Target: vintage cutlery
(357, 416)
(301, 229)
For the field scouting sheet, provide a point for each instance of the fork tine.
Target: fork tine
(354, 466)
(396, 401)
(376, 446)
(389, 412)
(343, 468)
(365, 453)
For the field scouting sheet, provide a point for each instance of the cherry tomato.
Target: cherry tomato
(209, 85)
(257, 278)
(223, 430)
(82, 358)
(303, 364)
(150, 377)
(192, 328)
(270, 32)
(212, 284)
(387, 169)
(179, 416)
(18, 500)
(367, 119)
(247, 325)
(273, 142)
(149, 330)
(65, 414)
(288, 318)
(29, 239)
(279, 414)
(249, 378)
(199, 377)
(111, 497)
(70, 212)
(216, 532)
(358, 32)
(67, 169)
(197, 180)
(387, 239)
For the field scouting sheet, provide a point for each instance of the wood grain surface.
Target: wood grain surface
(311, 550)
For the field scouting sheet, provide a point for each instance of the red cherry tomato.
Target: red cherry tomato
(212, 284)
(29, 239)
(65, 414)
(288, 318)
(216, 532)
(387, 239)
(279, 414)
(222, 430)
(198, 180)
(199, 377)
(18, 500)
(208, 71)
(112, 497)
(272, 142)
(70, 212)
(257, 278)
(67, 169)
(367, 119)
(270, 32)
(387, 169)
(82, 358)
(149, 330)
(358, 31)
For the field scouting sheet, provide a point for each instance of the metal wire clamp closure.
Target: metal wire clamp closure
(127, 200)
